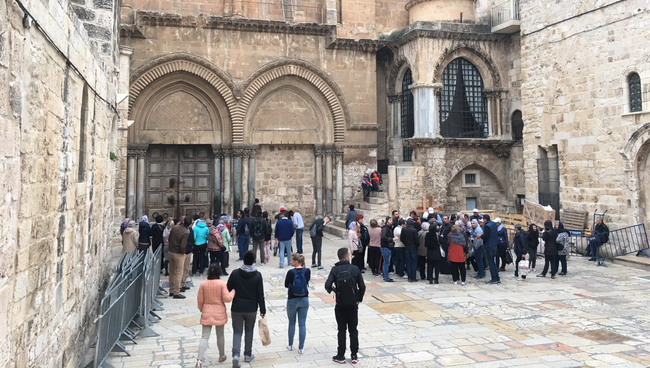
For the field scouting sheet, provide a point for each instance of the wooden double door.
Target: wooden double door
(179, 181)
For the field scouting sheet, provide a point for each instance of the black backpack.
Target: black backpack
(346, 288)
(259, 230)
(365, 235)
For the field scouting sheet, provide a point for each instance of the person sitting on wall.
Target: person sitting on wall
(599, 237)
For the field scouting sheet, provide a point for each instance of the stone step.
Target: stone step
(336, 230)
(382, 195)
(339, 222)
(376, 214)
(378, 200)
(373, 207)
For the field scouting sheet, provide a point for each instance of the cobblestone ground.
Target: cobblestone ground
(593, 317)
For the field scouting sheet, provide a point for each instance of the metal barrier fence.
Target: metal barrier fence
(127, 305)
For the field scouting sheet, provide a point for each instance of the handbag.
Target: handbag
(508, 256)
(442, 252)
(265, 335)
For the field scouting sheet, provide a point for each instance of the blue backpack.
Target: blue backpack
(299, 286)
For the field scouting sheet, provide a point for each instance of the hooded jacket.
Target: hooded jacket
(201, 233)
(386, 236)
(249, 290)
(457, 243)
(431, 242)
(550, 239)
(145, 231)
(520, 243)
(129, 240)
(225, 236)
(532, 238)
(409, 236)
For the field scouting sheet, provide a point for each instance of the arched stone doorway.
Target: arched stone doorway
(643, 175)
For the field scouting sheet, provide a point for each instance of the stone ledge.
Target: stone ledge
(500, 146)
(363, 127)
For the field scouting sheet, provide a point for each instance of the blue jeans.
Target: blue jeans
(479, 254)
(491, 252)
(299, 240)
(385, 254)
(242, 245)
(285, 244)
(299, 307)
(400, 260)
(411, 264)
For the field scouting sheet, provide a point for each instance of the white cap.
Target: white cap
(497, 220)
(475, 210)
(430, 210)
(425, 215)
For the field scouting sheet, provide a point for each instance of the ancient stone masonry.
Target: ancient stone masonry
(59, 118)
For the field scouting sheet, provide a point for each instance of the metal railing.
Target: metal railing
(504, 12)
(126, 310)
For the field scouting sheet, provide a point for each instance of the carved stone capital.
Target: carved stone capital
(394, 98)
(319, 151)
(137, 150)
(243, 150)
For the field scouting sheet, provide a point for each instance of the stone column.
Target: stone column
(426, 123)
(227, 182)
(237, 153)
(492, 121)
(251, 175)
(328, 180)
(339, 181)
(216, 183)
(131, 183)
(393, 130)
(244, 180)
(437, 87)
(139, 207)
(318, 153)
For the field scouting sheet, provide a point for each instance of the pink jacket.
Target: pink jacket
(212, 299)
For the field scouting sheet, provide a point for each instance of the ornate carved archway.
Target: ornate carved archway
(476, 56)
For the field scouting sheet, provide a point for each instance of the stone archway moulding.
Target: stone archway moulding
(298, 68)
(181, 62)
(474, 53)
(637, 140)
(485, 165)
(400, 64)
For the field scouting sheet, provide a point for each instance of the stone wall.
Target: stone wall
(574, 98)
(57, 184)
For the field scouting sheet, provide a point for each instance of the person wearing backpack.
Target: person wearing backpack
(258, 233)
(347, 283)
(243, 232)
(297, 281)
(316, 235)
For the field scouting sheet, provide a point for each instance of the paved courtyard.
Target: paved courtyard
(594, 317)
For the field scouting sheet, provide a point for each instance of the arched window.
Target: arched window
(463, 105)
(408, 125)
(517, 126)
(634, 85)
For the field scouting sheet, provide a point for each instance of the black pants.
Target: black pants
(532, 257)
(422, 262)
(200, 255)
(563, 262)
(472, 261)
(374, 253)
(366, 191)
(317, 245)
(501, 255)
(431, 266)
(391, 267)
(357, 259)
(216, 256)
(553, 261)
(458, 266)
(519, 258)
(347, 318)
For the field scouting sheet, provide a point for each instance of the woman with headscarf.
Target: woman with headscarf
(130, 238)
(550, 249)
(422, 249)
(434, 257)
(226, 240)
(353, 242)
(144, 240)
(563, 237)
(479, 251)
(124, 225)
(532, 240)
(166, 232)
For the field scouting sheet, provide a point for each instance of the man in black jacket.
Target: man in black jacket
(317, 241)
(346, 281)
(249, 294)
(600, 237)
(409, 237)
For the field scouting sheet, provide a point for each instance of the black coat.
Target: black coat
(432, 245)
(409, 237)
(520, 243)
(249, 291)
(386, 236)
(144, 230)
(550, 241)
(356, 274)
(157, 235)
(532, 238)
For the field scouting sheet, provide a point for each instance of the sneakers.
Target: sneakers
(405, 277)
(541, 275)
(235, 362)
(493, 282)
(290, 347)
(225, 273)
(314, 265)
(354, 359)
(179, 296)
(320, 267)
(249, 358)
(463, 283)
(339, 359)
(455, 282)
(301, 351)
(389, 280)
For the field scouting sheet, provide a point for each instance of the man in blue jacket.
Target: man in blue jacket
(283, 233)
(490, 243)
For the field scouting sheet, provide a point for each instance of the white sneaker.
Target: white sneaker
(290, 347)
(455, 282)
(463, 283)
(301, 351)
(405, 277)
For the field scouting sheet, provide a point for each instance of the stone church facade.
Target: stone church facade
(114, 109)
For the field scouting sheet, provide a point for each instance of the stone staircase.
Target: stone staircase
(377, 208)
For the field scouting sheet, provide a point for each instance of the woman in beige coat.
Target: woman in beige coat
(130, 238)
(212, 299)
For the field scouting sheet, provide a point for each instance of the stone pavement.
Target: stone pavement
(593, 317)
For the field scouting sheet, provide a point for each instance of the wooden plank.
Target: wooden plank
(536, 214)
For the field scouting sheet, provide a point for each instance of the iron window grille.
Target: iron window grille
(463, 105)
(517, 126)
(634, 84)
(408, 123)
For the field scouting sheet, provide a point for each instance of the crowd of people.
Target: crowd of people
(419, 247)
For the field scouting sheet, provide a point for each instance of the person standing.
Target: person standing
(299, 225)
(177, 245)
(520, 246)
(283, 233)
(215, 245)
(317, 241)
(563, 238)
(352, 214)
(347, 283)
(297, 281)
(457, 244)
(409, 237)
(490, 243)
(201, 234)
(130, 238)
(243, 232)
(387, 244)
(258, 233)
(144, 234)
(532, 240)
(479, 249)
(226, 239)
(434, 256)
(211, 301)
(374, 247)
(502, 244)
(267, 236)
(157, 231)
(550, 249)
(422, 249)
(353, 242)
(364, 241)
(400, 251)
(249, 296)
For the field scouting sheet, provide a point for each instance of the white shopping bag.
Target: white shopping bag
(524, 267)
